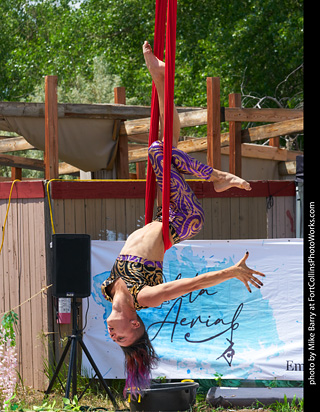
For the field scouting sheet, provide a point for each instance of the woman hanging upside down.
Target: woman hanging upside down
(135, 281)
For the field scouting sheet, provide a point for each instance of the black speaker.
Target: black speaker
(71, 276)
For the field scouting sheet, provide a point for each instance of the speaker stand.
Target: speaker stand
(75, 338)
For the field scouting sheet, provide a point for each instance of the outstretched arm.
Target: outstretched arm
(153, 296)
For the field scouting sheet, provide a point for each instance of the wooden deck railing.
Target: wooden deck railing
(134, 125)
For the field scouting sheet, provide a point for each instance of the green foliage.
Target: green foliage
(8, 403)
(218, 378)
(296, 405)
(9, 322)
(254, 46)
(251, 45)
(71, 405)
(46, 406)
(99, 89)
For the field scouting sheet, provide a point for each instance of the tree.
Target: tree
(253, 44)
(44, 37)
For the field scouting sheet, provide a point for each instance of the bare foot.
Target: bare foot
(223, 181)
(155, 66)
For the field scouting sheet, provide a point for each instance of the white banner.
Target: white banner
(223, 329)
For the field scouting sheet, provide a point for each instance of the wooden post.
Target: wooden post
(51, 157)
(213, 122)
(274, 141)
(119, 95)
(235, 138)
(16, 173)
(122, 153)
(141, 170)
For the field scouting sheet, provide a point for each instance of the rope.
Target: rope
(27, 300)
(5, 220)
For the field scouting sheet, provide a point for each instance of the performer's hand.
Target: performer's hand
(246, 275)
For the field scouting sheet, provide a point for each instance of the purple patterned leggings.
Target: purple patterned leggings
(185, 213)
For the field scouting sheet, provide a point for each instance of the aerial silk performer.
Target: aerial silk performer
(136, 279)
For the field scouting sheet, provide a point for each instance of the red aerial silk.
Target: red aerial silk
(160, 22)
(161, 7)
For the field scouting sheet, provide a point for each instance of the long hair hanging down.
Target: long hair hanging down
(140, 359)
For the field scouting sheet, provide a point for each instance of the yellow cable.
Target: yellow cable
(49, 200)
(79, 180)
(5, 220)
(50, 207)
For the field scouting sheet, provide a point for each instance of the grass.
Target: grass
(27, 399)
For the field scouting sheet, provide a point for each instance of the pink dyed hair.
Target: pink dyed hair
(140, 359)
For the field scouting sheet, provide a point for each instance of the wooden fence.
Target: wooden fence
(23, 275)
(107, 210)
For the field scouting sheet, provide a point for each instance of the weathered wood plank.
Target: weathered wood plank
(36, 310)
(69, 218)
(265, 152)
(41, 348)
(207, 230)
(234, 218)
(224, 223)
(215, 218)
(65, 169)
(247, 135)
(25, 293)
(92, 217)
(199, 117)
(34, 164)
(281, 217)
(104, 111)
(258, 218)
(244, 217)
(247, 150)
(120, 219)
(287, 168)
(139, 128)
(13, 144)
(130, 206)
(58, 215)
(80, 211)
(261, 115)
(140, 213)
(272, 130)
(14, 274)
(23, 162)
(3, 270)
(110, 219)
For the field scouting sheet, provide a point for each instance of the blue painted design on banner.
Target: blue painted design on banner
(99, 298)
(208, 330)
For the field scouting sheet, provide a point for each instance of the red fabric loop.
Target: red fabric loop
(158, 49)
(168, 111)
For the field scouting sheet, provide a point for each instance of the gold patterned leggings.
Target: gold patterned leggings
(185, 212)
